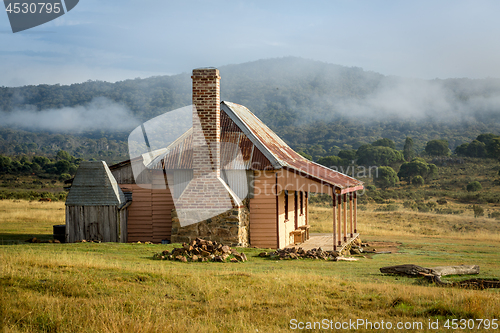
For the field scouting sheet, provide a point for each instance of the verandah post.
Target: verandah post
(351, 214)
(345, 216)
(334, 202)
(339, 203)
(355, 212)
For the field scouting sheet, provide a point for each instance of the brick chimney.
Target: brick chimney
(206, 122)
(207, 195)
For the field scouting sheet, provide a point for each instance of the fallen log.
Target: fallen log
(455, 270)
(434, 275)
(409, 270)
(414, 270)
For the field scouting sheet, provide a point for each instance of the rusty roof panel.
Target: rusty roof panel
(276, 149)
(237, 151)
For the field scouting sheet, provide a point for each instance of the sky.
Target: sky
(116, 40)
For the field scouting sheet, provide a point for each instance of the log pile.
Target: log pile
(434, 275)
(299, 253)
(203, 251)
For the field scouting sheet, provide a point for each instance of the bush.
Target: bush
(431, 204)
(423, 208)
(474, 186)
(387, 208)
(478, 211)
(371, 188)
(494, 215)
(448, 211)
(386, 177)
(408, 204)
(442, 201)
(417, 181)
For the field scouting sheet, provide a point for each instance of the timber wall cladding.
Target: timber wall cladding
(263, 211)
(149, 215)
(100, 223)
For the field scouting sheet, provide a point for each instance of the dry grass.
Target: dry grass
(118, 288)
(408, 222)
(20, 219)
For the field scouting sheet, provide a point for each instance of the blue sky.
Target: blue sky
(114, 40)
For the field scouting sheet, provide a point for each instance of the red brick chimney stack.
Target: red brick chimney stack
(206, 98)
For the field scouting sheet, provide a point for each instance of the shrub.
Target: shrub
(448, 211)
(442, 201)
(362, 207)
(387, 208)
(431, 204)
(494, 215)
(417, 181)
(423, 208)
(386, 177)
(478, 210)
(474, 186)
(371, 188)
(407, 204)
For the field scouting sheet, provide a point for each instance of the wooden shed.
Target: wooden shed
(96, 206)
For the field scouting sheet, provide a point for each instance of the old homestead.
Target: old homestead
(232, 179)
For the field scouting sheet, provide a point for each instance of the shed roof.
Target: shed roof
(94, 185)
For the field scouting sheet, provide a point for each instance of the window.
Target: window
(301, 203)
(286, 205)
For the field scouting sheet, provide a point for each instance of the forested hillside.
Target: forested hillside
(317, 108)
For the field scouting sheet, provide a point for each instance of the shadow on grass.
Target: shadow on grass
(10, 239)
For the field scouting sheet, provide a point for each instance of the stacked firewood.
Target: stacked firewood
(297, 253)
(202, 250)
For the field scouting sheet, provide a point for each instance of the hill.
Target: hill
(318, 108)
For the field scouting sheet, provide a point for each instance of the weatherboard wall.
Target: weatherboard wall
(149, 214)
(263, 211)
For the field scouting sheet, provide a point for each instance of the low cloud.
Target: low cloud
(100, 114)
(418, 100)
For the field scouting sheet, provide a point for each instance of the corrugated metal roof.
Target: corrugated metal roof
(237, 150)
(279, 153)
(259, 146)
(94, 185)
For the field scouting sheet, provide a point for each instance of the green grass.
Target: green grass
(109, 287)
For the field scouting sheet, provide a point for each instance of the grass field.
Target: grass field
(87, 287)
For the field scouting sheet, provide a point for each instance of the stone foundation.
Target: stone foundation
(229, 228)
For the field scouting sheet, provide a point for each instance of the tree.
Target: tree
(63, 155)
(493, 147)
(417, 167)
(385, 177)
(332, 162)
(417, 181)
(5, 164)
(474, 186)
(384, 143)
(41, 160)
(377, 155)
(462, 149)
(476, 149)
(62, 166)
(486, 137)
(437, 148)
(306, 155)
(408, 150)
(349, 155)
